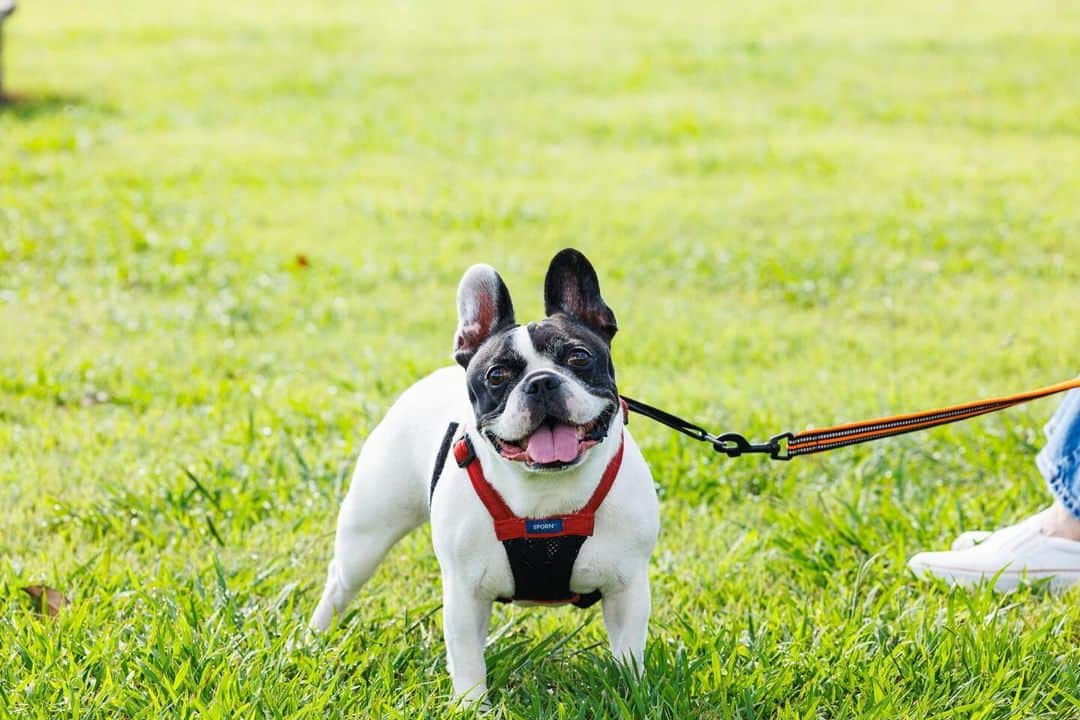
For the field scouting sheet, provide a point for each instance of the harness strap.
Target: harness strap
(440, 459)
(509, 526)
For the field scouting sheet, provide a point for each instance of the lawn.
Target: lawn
(230, 235)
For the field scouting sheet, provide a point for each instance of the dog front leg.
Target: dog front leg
(465, 627)
(626, 617)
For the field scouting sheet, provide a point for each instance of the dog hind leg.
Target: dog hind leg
(379, 509)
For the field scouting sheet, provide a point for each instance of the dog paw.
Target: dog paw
(475, 699)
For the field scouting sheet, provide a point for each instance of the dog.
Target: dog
(520, 458)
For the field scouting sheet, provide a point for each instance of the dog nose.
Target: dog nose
(542, 383)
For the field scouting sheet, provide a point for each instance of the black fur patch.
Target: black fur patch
(556, 336)
(488, 402)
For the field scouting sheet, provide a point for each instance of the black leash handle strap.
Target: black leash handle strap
(788, 445)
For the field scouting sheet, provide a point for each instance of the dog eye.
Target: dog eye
(579, 357)
(497, 375)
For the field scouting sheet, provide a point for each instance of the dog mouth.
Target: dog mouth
(554, 444)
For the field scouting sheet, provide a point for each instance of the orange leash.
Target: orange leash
(788, 445)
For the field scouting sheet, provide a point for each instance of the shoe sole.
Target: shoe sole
(1004, 580)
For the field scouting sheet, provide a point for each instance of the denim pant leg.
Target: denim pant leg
(1059, 461)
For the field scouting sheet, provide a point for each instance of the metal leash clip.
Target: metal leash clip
(733, 445)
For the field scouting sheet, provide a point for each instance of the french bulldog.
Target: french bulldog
(546, 497)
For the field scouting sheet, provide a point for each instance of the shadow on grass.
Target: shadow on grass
(30, 106)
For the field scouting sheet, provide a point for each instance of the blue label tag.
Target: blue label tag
(545, 526)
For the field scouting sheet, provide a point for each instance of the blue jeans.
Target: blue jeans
(1059, 461)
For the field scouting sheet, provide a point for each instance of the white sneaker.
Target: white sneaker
(969, 539)
(1010, 556)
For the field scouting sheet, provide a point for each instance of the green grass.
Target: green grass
(800, 216)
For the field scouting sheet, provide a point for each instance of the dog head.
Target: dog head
(544, 393)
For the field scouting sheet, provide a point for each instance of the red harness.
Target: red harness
(541, 551)
(509, 526)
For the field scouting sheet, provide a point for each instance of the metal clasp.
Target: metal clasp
(734, 445)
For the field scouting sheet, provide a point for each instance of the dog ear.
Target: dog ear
(484, 308)
(571, 288)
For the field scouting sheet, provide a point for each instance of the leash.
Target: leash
(787, 445)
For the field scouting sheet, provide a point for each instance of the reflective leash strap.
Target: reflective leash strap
(815, 441)
(788, 445)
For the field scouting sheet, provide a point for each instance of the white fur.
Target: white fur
(389, 497)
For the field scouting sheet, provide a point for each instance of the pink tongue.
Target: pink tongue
(558, 444)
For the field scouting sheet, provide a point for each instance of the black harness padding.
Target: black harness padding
(440, 459)
(542, 568)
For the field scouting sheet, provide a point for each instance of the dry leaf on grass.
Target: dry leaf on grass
(47, 600)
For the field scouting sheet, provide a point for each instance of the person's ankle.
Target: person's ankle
(1060, 523)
